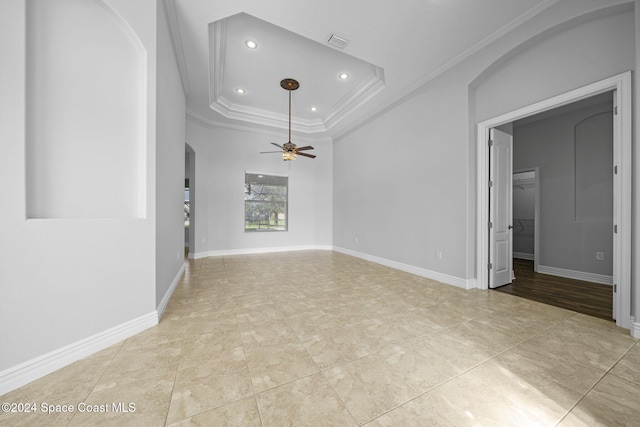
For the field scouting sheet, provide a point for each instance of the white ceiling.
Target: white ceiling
(394, 47)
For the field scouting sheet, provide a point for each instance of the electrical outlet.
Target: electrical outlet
(355, 240)
(438, 254)
(600, 256)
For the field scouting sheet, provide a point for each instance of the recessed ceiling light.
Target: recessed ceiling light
(241, 91)
(314, 109)
(251, 44)
(343, 76)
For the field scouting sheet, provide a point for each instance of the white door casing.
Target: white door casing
(621, 85)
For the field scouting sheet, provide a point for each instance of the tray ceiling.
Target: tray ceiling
(390, 52)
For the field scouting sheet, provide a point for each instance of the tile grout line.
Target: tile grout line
(173, 386)
(253, 265)
(431, 389)
(253, 393)
(246, 362)
(323, 370)
(607, 372)
(99, 378)
(320, 371)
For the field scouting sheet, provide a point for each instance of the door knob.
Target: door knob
(510, 227)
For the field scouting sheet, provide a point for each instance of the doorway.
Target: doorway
(573, 145)
(187, 215)
(189, 202)
(526, 215)
(621, 86)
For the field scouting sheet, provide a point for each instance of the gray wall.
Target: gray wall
(170, 167)
(222, 155)
(410, 191)
(64, 280)
(575, 222)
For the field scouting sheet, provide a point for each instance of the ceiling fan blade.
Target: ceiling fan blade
(311, 156)
(308, 147)
(277, 145)
(267, 152)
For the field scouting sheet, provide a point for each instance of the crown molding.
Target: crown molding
(362, 93)
(266, 118)
(246, 126)
(403, 94)
(176, 40)
(367, 89)
(500, 32)
(217, 42)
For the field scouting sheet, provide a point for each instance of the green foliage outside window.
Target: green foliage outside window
(265, 202)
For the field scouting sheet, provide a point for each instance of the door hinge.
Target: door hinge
(490, 266)
(615, 170)
(490, 225)
(615, 288)
(615, 229)
(490, 184)
(490, 143)
(615, 110)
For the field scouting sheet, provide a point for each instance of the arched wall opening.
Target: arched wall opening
(581, 57)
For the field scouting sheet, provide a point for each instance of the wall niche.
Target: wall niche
(85, 112)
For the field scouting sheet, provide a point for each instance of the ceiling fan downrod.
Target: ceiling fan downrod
(289, 84)
(289, 147)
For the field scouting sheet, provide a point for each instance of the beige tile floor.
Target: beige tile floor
(318, 338)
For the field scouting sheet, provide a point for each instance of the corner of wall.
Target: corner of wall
(162, 306)
(422, 272)
(635, 328)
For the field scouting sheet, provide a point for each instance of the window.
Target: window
(265, 202)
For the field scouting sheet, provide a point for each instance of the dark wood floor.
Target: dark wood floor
(589, 298)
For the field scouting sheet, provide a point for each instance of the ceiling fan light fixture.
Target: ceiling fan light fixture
(251, 44)
(290, 150)
(343, 76)
(241, 91)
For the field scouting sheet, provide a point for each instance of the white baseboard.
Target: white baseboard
(246, 251)
(24, 373)
(440, 277)
(167, 296)
(523, 255)
(579, 275)
(635, 328)
(418, 271)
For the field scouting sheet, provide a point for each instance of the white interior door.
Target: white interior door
(500, 209)
(623, 180)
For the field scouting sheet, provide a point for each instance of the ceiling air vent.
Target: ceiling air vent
(338, 42)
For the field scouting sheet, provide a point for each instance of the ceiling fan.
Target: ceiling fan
(289, 150)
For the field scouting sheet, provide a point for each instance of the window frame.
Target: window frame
(271, 180)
